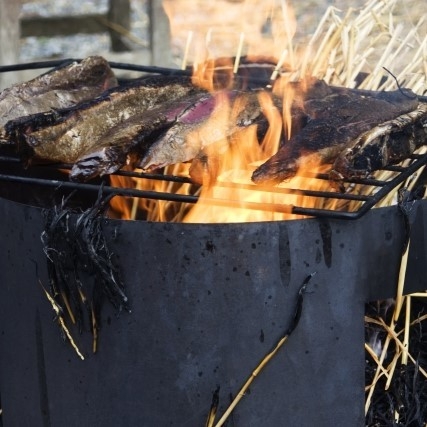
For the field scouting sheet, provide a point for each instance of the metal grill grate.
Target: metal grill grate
(380, 189)
(34, 176)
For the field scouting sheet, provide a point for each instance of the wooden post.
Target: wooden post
(161, 54)
(9, 37)
(119, 18)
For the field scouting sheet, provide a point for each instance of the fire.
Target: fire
(231, 160)
(226, 170)
(214, 38)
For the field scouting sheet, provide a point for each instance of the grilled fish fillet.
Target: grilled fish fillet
(211, 119)
(129, 141)
(388, 143)
(65, 136)
(333, 122)
(60, 88)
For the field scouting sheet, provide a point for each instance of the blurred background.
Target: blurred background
(170, 32)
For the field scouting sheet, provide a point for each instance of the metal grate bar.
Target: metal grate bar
(366, 201)
(118, 65)
(236, 186)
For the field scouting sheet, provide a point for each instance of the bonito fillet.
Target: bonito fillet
(60, 88)
(334, 121)
(65, 136)
(212, 118)
(388, 143)
(129, 141)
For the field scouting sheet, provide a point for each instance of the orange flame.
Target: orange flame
(214, 36)
(225, 168)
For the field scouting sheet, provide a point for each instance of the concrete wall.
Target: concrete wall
(9, 37)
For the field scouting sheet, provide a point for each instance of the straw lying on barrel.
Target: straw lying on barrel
(338, 51)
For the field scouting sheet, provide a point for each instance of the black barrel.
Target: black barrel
(208, 302)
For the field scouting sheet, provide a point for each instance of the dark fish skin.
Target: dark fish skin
(113, 150)
(173, 147)
(129, 141)
(201, 126)
(388, 143)
(333, 123)
(67, 135)
(60, 88)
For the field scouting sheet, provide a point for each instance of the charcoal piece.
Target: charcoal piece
(59, 88)
(334, 120)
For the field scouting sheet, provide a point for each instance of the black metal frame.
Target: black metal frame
(117, 65)
(367, 201)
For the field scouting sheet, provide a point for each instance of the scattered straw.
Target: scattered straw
(61, 322)
(239, 53)
(406, 331)
(376, 360)
(214, 408)
(119, 29)
(187, 50)
(94, 331)
(399, 343)
(254, 374)
(401, 283)
(68, 307)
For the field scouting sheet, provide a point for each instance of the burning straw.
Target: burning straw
(358, 41)
(351, 49)
(357, 48)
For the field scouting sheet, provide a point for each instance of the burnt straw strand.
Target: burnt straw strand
(270, 355)
(81, 268)
(406, 396)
